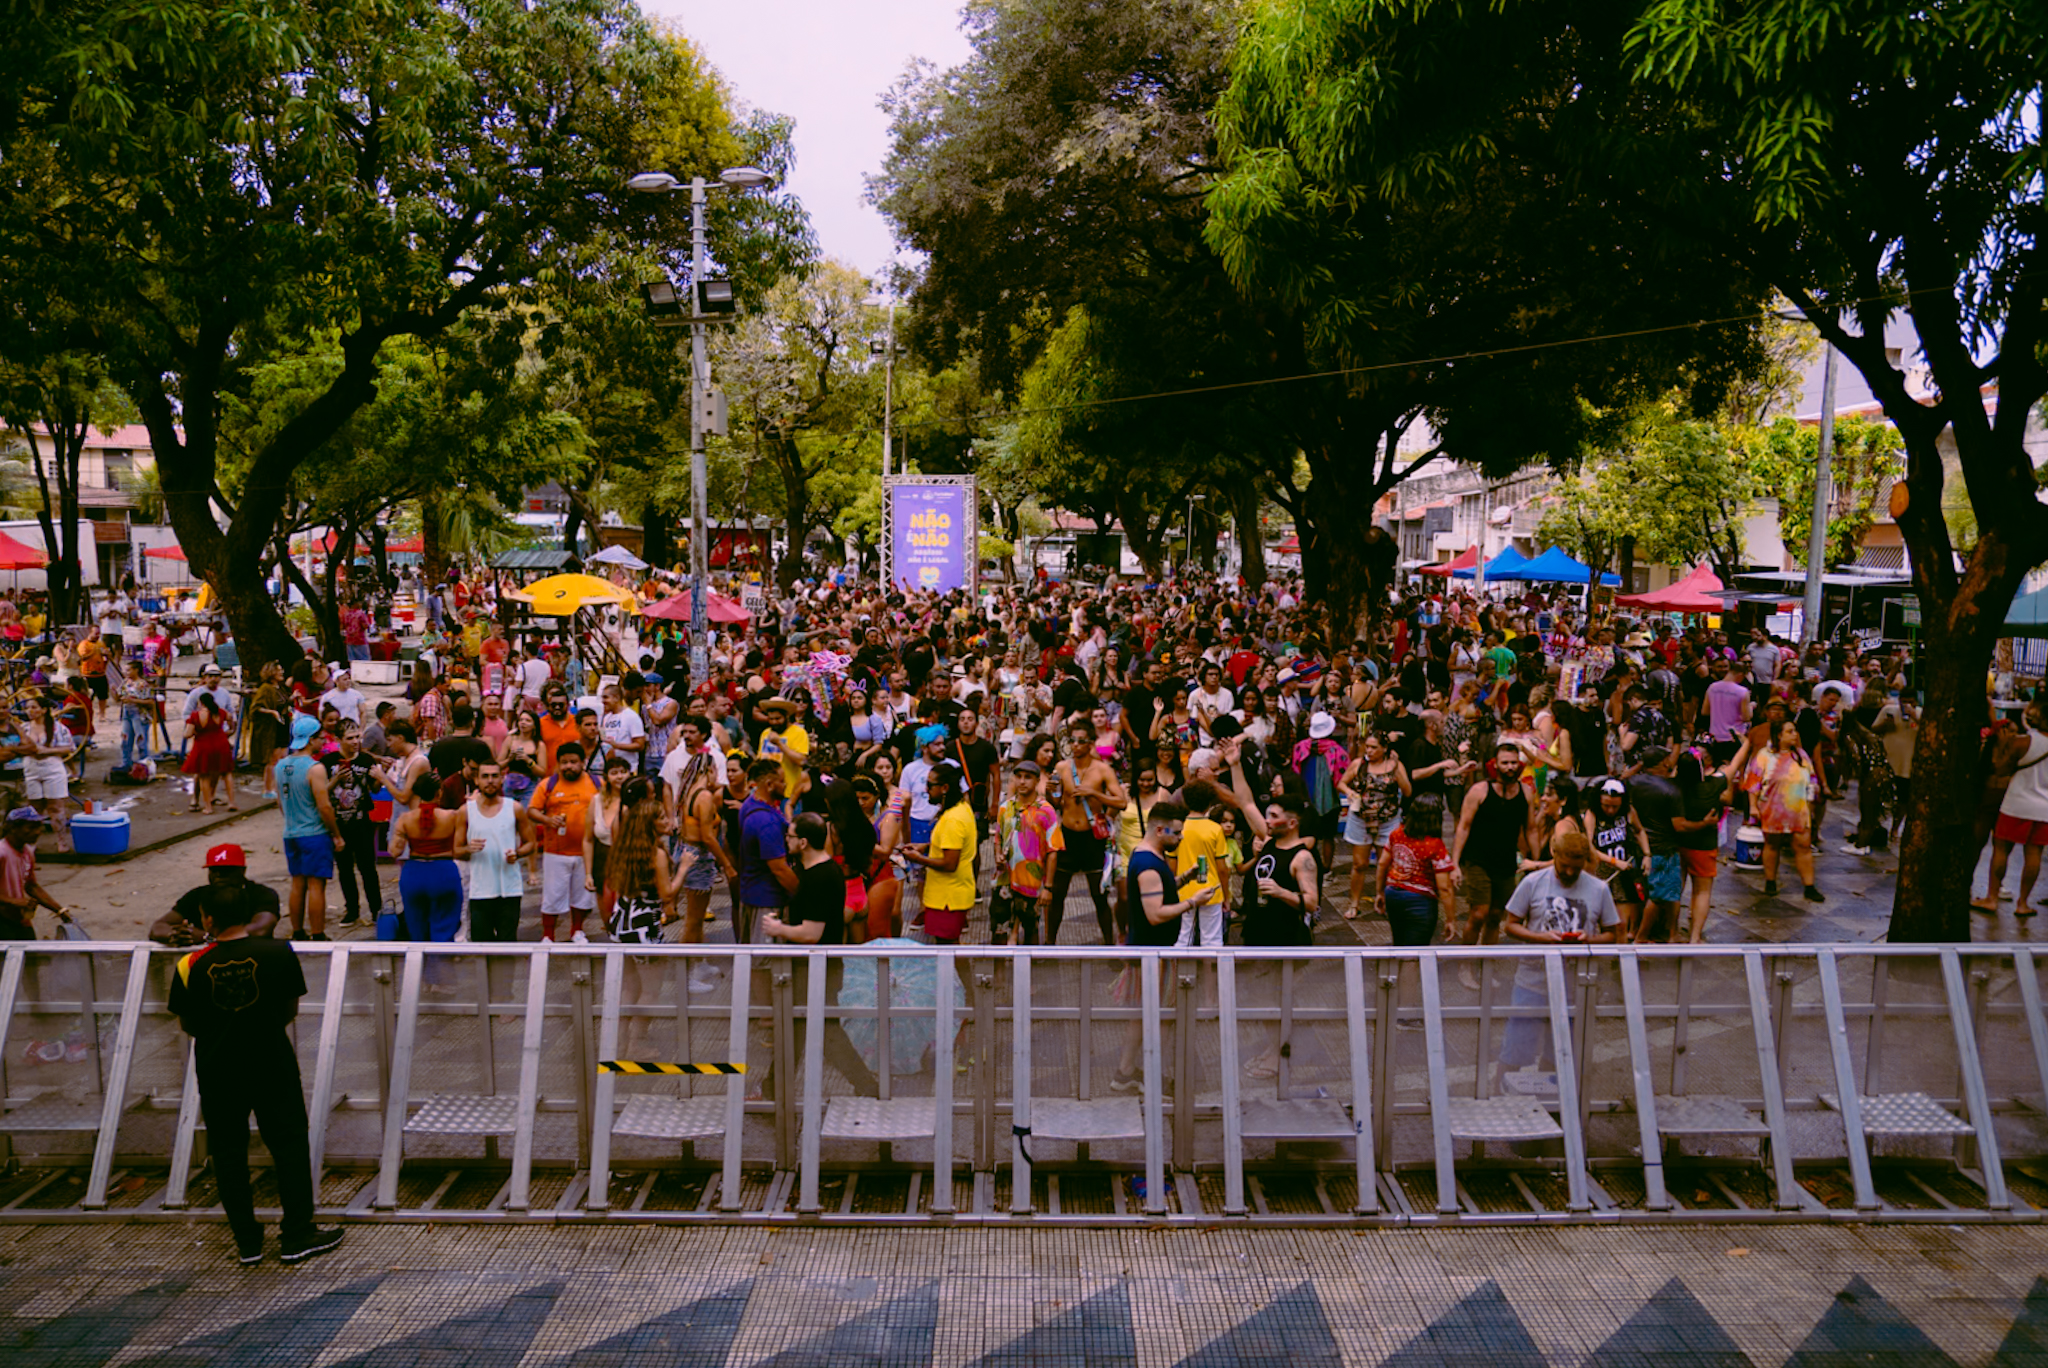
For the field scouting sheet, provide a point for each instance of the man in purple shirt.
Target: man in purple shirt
(1728, 708)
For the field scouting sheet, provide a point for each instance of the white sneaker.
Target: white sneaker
(580, 939)
(705, 982)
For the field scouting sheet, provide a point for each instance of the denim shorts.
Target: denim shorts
(1360, 831)
(1666, 880)
(1411, 916)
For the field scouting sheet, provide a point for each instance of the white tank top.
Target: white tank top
(489, 875)
(2026, 798)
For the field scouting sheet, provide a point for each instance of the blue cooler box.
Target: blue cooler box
(100, 833)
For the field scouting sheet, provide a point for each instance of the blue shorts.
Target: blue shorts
(309, 857)
(1666, 880)
(703, 875)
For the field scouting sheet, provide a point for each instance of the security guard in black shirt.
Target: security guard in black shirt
(235, 997)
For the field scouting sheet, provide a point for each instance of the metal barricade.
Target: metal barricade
(901, 1084)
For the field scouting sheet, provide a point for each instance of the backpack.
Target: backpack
(1315, 777)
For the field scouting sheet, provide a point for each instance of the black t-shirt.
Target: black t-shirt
(1703, 802)
(820, 896)
(1142, 707)
(1074, 696)
(1418, 754)
(237, 989)
(1398, 728)
(350, 787)
(978, 757)
(446, 757)
(261, 897)
(1656, 801)
(1150, 873)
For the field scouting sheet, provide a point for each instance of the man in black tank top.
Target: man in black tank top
(1493, 836)
(1283, 893)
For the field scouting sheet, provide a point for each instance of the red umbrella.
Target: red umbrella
(16, 555)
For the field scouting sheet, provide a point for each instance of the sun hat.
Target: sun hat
(1322, 727)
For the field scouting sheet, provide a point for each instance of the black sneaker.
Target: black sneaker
(250, 1253)
(317, 936)
(1814, 895)
(351, 917)
(1770, 889)
(309, 1245)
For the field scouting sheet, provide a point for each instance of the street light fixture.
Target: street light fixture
(712, 299)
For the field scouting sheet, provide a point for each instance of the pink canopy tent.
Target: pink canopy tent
(1698, 592)
(676, 608)
(1464, 560)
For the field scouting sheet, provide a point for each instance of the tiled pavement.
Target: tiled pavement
(646, 1297)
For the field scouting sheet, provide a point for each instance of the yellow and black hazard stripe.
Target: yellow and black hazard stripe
(656, 1066)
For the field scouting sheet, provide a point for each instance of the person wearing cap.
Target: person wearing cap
(312, 834)
(1027, 848)
(785, 740)
(20, 893)
(227, 866)
(344, 697)
(947, 856)
(236, 997)
(210, 756)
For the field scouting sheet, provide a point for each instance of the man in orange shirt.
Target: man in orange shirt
(560, 808)
(557, 727)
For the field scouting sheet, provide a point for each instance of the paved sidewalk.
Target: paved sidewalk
(653, 1297)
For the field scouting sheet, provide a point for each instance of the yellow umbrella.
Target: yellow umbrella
(562, 595)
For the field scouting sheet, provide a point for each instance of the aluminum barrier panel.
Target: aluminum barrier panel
(914, 1084)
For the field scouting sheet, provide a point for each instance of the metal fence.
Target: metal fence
(913, 1084)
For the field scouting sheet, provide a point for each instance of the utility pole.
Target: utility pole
(1823, 499)
(700, 649)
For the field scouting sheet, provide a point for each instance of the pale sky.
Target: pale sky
(825, 63)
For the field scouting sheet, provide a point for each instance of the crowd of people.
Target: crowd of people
(1203, 761)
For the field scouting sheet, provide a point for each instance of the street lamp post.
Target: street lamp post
(661, 183)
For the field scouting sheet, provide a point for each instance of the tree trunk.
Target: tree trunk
(1938, 855)
(1628, 566)
(433, 560)
(1251, 539)
(380, 556)
(657, 535)
(571, 526)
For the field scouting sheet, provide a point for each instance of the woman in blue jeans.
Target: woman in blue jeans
(430, 887)
(1415, 873)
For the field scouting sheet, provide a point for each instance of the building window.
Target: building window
(120, 468)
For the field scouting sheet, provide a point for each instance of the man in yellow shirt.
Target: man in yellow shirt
(1201, 853)
(948, 857)
(786, 740)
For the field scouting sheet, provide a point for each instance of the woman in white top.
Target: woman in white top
(2022, 818)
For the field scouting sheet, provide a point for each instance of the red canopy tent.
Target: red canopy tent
(1464, 560)
(1698, 592)
(1290, 547)
(165, 552)
(16, 555)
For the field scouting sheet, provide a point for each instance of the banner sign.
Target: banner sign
(932, 534)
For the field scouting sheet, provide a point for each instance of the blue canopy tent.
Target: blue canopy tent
(1500, 567)
(1555, 567)
(2028, 616)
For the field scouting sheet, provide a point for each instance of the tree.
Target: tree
(1122, 158)
(1785, 458)
(447, 429)
(1865, 161)
(51, 408)
(806, 397)
(215, 187)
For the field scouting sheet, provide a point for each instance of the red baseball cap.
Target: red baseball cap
(226, 857)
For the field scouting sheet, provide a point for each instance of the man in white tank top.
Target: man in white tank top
(500, 836)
